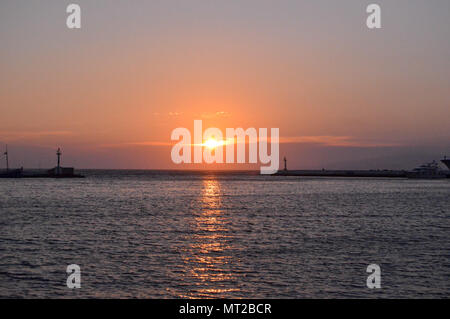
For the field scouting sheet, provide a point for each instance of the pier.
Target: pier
(56, 172)
(344, 173)
(354, 173)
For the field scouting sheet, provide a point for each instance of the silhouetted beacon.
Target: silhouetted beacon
(61, 171)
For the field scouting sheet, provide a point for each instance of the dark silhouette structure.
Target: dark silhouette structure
(56, 172)
(59, 171)
(446, 161)
(58, 153)
(7, 159)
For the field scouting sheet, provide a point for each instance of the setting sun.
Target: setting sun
(213, 143)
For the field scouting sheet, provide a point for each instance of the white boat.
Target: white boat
(446, 161)
(427, 171)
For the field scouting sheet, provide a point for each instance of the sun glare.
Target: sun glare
(213, 143)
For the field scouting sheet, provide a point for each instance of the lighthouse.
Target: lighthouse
(58, 168)
(285, 163)
(60, 171)
(7, 159)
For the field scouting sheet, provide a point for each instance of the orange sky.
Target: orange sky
(111, 93)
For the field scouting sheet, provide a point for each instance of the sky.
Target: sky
(110, 94)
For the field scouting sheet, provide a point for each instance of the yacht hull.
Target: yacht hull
(446, 162)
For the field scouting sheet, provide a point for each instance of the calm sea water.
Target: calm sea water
(150, 234)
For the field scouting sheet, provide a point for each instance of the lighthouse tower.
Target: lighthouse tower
(59, 171)
(285, 165)
(58, 168)
(7, 159)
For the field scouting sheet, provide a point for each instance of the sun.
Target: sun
(212, 143)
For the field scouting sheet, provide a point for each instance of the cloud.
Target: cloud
(144, 143)
(172, 113)
(26, 135)
(325, 140)
(219, 114)
(331, 140)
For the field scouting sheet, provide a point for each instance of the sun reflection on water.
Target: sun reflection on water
(208, 260)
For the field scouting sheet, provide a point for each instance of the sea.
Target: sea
(206, 234)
